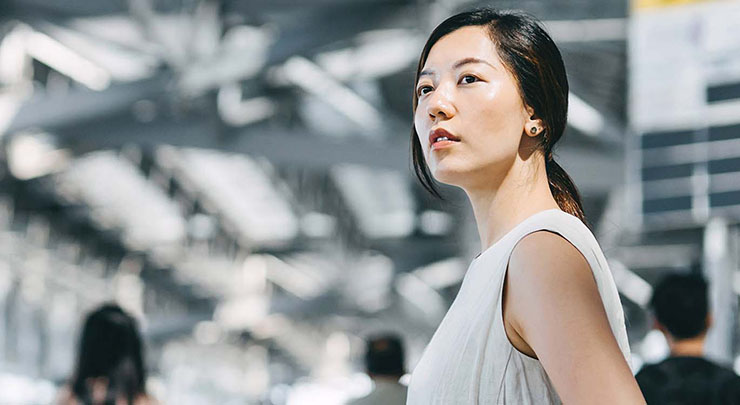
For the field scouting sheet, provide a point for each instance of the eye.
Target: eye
(467, 79)
(422, 90)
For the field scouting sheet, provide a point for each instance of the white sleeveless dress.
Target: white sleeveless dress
(470, 360)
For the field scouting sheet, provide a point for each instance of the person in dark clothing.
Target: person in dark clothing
(110, 368)
(384, 360)
(680, 306)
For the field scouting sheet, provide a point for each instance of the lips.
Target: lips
(438, 135)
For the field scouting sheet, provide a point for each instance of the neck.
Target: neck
(523, 191)
(692, 347)
(385, 378)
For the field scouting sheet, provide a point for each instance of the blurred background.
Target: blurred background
(236, 174)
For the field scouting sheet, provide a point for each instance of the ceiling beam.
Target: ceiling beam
(51, 111)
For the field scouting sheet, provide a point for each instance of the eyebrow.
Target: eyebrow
(458, 64)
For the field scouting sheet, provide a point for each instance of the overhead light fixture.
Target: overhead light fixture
(584, 117)
(59, 57)
(316, 81)
(239, 190)
(630, 284)
(318, 225)
(119, 196)
(237, 313)
(241, 54)
(433, 222)
(399, 48)
(443, 273)
(368, 283)
(297, 277)
(380, 200)
(236, 111)
(421, 295)
(121, 62)
(33, 155)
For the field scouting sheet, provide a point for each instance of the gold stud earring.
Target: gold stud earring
(533, 130)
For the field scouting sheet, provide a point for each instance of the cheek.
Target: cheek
(499, 112)
(496, 101)
(421, 124)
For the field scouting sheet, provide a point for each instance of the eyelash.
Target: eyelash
(419, 91)
(474, 77)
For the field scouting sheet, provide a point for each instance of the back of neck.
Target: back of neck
(692, 347)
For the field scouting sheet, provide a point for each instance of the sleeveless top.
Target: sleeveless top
(470, 360)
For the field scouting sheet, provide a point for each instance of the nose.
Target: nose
(440, 105)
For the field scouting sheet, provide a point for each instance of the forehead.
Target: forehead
(473, 41)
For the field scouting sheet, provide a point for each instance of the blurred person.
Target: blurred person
(110, 367)
(681, 313)
(384, 359)
(537, 319)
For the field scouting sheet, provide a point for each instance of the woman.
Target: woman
(110, 367)
(537, 319)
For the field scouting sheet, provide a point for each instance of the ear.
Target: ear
(533, 125)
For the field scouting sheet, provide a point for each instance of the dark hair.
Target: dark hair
(680, 304)
(384, 355)
(534, 60)
(110, 347)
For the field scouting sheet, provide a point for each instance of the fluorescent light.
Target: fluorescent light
(242, 54)
(380, 200)
(443, 273)
(630, 284)
(654, 347)
(34, 155)
(433, 222)
(64, 60)
(318, 225)
(238, 189)
(368, 282)
(120, 196)
(238, 112)
(303, 282)
(399, 48)
(424, 297)
(238, 313)
(13, 60)
(312, 78)
(584, 117)
(119, 62)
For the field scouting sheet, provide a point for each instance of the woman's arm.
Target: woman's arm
(552, 307)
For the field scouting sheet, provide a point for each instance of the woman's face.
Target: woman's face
(465, 90)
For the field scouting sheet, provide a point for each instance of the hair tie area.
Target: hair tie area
(549, 158)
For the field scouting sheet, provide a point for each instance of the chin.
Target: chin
(447, 175)
(465, 174)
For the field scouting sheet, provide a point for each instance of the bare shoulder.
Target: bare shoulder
(548, 276)
(554, 309)
(548, 256)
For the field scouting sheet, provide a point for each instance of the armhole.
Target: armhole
(500, 309)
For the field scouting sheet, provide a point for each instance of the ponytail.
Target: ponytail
(564, 190)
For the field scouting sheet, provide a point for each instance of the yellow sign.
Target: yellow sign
(648, 4)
